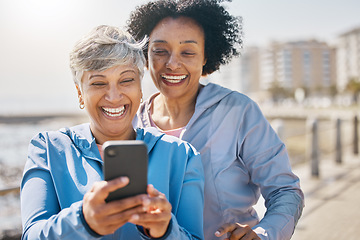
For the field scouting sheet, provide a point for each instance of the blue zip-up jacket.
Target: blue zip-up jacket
(63, 165)
(243, 158)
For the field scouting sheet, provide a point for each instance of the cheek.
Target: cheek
(195, 69)
(156, 62)
(91, 98)
(135, 94)
(136, 101)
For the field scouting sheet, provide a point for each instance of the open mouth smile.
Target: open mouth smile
(114, 112)
(173, 78)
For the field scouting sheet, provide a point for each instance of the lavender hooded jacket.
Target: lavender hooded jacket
(243, 157)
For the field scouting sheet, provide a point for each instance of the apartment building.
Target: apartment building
(348, 58)
(310, 65)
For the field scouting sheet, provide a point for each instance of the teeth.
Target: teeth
(114, 112)
(173, 79)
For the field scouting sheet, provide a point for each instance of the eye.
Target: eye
(188, 53)
(98, 84)
(160, 52)
(127, 80)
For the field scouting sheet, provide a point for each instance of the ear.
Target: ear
(204, 74)
(205, 60)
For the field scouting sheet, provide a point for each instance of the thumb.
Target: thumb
(112, 185)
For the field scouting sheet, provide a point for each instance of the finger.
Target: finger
(116, 183)
(240, 231)
(103, 221)
(157, 226)
(227, 227)
(125, 216)
(152, 191)
(103, 188)
(243, 236)
(150, 218)
(243, 232)
(157, 203)
(118, 206)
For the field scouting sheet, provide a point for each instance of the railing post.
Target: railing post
(356, 135)
(338, 147)
(312, 125)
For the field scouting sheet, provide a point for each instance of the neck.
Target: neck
(172, 113)
(100, 138)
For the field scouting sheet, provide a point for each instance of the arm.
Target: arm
(268, 163)
(41, 214)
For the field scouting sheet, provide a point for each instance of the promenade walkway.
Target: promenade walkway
(332, 201)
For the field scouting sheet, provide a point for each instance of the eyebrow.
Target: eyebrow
(96, 75)
(189, 41)
(183, 42)
(100, 75)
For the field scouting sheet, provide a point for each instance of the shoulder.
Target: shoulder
(63, 136)
(217, 96)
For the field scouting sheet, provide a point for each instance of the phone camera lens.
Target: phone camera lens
(111, 153)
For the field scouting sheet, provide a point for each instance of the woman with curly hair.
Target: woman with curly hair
(242, 155)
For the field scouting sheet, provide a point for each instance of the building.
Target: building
(348, 58)
(310, 65)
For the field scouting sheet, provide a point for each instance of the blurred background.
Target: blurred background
(300, 62)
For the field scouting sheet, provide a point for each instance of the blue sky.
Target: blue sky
(37, 36)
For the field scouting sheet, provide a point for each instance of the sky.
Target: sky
(37, 36)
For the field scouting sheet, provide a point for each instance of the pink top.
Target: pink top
(100, 150)
(173, 132)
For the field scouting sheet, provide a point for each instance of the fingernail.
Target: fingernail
(217, 233)
(124, 179)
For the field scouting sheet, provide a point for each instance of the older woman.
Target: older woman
(241, 154)
(62, 191)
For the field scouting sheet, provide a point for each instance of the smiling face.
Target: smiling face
(111, 98)
(176, 57)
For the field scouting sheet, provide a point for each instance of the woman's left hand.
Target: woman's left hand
(157, 217)
(237, 231)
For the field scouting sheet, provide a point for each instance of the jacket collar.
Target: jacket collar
(83, 139)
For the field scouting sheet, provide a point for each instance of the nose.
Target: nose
(113, 93)
(173, 62)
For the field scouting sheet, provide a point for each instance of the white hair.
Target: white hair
(105, 47)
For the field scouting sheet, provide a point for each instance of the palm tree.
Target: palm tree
(353, 87)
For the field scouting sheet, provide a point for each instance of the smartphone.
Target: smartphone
(126, 158)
